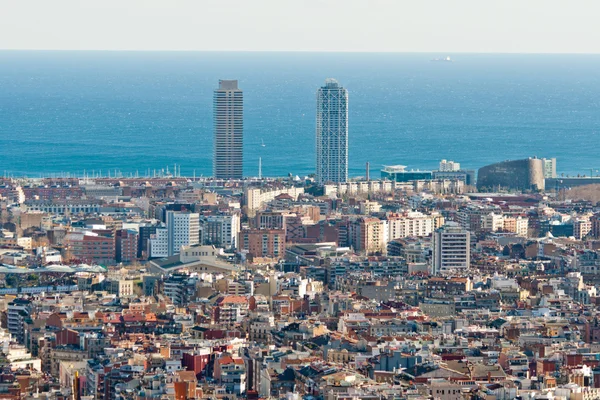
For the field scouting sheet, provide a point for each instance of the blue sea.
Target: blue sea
(66, 112)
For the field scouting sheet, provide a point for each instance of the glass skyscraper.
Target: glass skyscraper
(332, 133)
(228, 109)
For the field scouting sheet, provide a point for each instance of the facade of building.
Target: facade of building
(228, 109)
(467, 176)
(527, 174)
(448, 166)
(369, 235)
(451, 249)
(518, 225)
(184, 230)
(92, 246)
(263, 242)
(332, 133)
(398, 173)
(409, 224)
(18, 310)
(158, 244)
(145, 232)
(492, 222)
(221, 230)
(581, 228)
(255, 198)
(549, 167)
(126, 245)
(595, 226)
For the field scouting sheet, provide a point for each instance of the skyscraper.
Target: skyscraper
(332, 133)
(228, 109)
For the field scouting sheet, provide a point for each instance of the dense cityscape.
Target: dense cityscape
(401, 284)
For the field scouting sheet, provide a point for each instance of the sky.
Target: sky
(448, 26)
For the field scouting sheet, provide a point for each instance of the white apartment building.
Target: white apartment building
(451, 248)
(184, 230)
(492, 222)
(158, 244)
(374, 186)
(409, 224)
(369, 207)
(447, 166)
(256, 197)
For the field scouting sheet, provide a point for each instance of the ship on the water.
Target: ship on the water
(445, 59)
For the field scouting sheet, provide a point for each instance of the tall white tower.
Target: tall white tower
(332, 133)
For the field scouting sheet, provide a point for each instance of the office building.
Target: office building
(332, 133)
(228, 109)
(451, 249)
(183, 230)
(158, 244)
(221, 230)
(398, 173)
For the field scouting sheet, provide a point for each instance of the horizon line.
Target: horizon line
(297, 51)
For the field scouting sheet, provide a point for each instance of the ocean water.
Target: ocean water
(66, 112)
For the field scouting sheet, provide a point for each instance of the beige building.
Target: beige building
(370, 235)
(256, 197)
(126, 288)
(581, 227)
(369, 207)
(518, 225)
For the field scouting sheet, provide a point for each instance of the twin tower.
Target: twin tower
(331, 132)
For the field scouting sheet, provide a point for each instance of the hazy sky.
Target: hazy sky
(524, 26)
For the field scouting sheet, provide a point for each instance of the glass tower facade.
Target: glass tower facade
(228, 109)
(332, 133)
